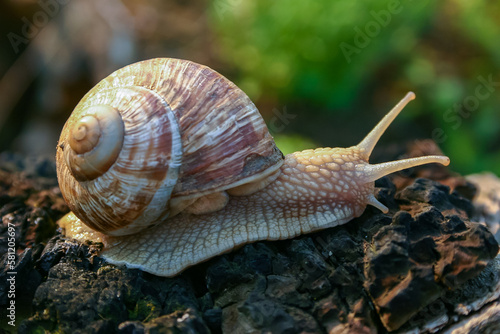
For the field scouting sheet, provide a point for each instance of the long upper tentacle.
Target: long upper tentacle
(376, 171)
(368, 143)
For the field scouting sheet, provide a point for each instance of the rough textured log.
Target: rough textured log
(423, 267)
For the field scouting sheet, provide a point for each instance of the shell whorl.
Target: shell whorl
(95, 140)
(224, 138)
(187, 131)
(133, 191)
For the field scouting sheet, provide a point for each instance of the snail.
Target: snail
(168, 164)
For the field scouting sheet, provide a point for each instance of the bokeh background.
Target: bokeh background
(321, 72)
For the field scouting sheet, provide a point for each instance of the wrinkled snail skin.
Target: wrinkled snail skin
(306, 191)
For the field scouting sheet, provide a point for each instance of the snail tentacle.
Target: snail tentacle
(376, 171)
(367, 145)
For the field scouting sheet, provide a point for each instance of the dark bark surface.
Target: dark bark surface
(426, 266)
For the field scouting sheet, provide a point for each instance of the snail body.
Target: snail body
(193, 172)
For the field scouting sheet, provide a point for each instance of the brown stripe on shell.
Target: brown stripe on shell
(222, 132)
(135, 189)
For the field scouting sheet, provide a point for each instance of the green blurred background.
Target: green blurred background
(321, 72)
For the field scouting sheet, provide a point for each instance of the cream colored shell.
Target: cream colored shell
(178, 129)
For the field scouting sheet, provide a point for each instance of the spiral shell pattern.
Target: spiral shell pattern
(176, 128)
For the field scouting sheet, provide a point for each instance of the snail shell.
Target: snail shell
(155, 131)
